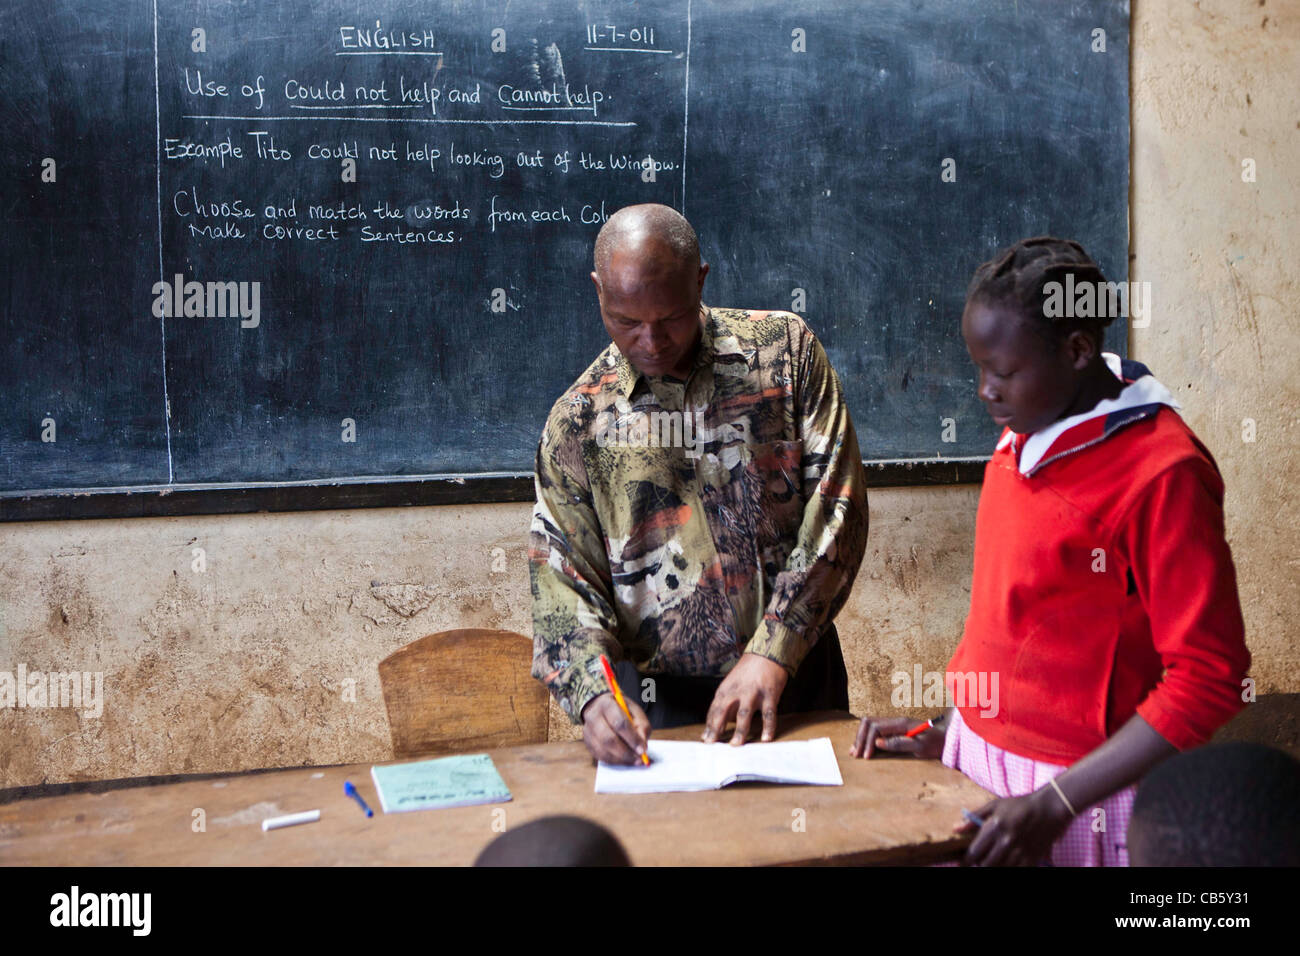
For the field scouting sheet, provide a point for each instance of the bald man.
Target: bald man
(701, 508)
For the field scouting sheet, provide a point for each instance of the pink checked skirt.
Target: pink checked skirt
(1093, 839)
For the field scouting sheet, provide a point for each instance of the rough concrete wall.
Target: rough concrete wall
(1214, 83)
(912, 593)
(246, 664)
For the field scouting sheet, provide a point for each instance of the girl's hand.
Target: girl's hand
(1017, 831)
(886, 734)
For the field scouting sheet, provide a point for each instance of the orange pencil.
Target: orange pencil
(921, 728)
(618, 696)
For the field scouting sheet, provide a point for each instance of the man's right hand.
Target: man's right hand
(607, 733)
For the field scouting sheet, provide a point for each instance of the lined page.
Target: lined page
(684, 765)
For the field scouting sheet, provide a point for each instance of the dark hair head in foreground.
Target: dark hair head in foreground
(1235, 804)
(555, 841)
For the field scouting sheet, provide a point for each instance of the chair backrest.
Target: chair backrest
(463, 690)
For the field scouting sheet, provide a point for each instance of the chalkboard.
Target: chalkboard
(387, 211)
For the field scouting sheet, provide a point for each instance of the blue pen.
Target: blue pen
(351, 791)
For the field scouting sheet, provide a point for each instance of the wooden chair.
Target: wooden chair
(463, 690)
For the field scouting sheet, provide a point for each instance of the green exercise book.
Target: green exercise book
(461, 781)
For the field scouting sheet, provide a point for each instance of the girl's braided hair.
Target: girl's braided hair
(1016, 277)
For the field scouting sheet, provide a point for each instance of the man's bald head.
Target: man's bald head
(649, 279)
(651, 233)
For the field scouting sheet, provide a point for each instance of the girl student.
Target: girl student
(1103, 596)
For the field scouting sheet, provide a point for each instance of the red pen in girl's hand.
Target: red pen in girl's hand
(921, 728)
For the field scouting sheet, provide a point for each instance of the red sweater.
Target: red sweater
(1103, 587)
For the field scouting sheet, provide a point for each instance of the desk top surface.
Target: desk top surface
(890, 810)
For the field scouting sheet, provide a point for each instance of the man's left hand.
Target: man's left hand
(753, 686)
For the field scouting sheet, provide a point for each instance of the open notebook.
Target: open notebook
(690, 765)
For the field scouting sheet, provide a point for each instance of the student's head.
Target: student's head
(648, 280)
(1031, 360)
(1234, 804)
(555, 841)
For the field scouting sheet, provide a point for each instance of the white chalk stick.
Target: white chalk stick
(293, 819)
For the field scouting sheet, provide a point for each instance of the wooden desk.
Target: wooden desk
(891, 810)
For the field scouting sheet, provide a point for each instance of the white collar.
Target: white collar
(1143, 391)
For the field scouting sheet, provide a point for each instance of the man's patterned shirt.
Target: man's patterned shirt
(683, 524)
